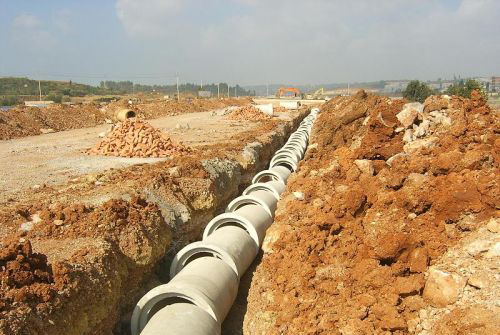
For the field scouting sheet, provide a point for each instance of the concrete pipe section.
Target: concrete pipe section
(206, 282)
(231, 244)
(205, 274)
(181, 319)
(263, 198)
(252, 218)
(277, 173)
(274, 187)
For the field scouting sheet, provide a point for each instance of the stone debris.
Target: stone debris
(443, 288)
(248, 113)
(134, 138)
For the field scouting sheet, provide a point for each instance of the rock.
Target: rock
(27, 226)
(47, 130)
(108, 121)
(422, 129)
(426, 143)
(58, 222)
(479, 280)
(440, 118)
(102, 134)
(408, 136)
(391, 160)
(399, 129)
(178, 126)
(412, 216)
(409, 113)
(494, 251)
(493, 225)
(436, 103)
(174, 172)
(36, 187)
(365, 166)
(442, 288)
(298, 195)
(477, 247)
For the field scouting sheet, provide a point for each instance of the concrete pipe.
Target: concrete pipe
(233, 245)
(300, 143)
(286, 162)
(278, 173)
(273, 187)
(124, 114)
(294, 148)
(252, 218)
(262, 198)
(181, 319)
(291, 150)
(283, 155)
(206, 282)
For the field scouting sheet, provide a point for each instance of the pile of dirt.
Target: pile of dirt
(385, 189)
(25, 276)
(135, 138)
(29, 121)
(248, 113)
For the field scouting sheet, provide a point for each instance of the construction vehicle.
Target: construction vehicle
(286, 91)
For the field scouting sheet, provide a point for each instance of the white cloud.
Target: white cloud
(26, 21)
(147, 18)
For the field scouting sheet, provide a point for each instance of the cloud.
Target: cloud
(26, 21)
(147, 18)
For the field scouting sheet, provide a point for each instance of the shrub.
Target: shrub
(417, 91)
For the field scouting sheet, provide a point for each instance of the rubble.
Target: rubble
(248, 113)
(134, 138)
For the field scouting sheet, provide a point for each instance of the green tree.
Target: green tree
(464, 89)
(417, 91)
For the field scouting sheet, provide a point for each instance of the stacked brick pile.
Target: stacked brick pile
(133, 138)
(248, 113)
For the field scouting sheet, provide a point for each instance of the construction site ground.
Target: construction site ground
(84, 237)
(57, 157)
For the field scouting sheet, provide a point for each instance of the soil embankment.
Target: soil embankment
(365, 238)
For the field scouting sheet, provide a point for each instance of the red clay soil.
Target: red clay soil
(351, 257)
(135, 138)
(248, 113)
(28, 121)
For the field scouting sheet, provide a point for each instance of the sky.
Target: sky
(249, 42)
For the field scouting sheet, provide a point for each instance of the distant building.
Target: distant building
(495, 84)
(204, 94)
(395, 86)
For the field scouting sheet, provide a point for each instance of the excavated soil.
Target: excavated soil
(248, 113)
(29, 121)
(75, 258)
(135, 138)
(378, 200)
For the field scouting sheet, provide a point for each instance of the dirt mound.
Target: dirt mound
(248, 113)
(25, 276)
(28, 121)
(385, 195)
(134, 138)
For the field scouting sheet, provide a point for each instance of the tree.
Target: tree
(464, 89)
(417, 91)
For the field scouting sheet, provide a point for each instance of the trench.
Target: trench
(204, 285)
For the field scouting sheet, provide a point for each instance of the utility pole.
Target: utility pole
(218, 90)
(40, 89)
(178, 94)
(267, 90)
(201, 84)
(348, 88)
(228, 90)
(235, 90)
